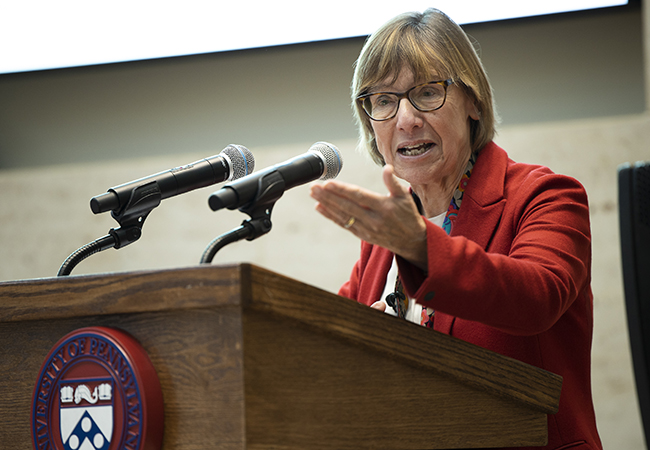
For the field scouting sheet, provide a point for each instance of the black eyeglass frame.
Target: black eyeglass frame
(401, 95)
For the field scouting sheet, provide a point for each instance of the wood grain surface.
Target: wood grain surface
(251, 359)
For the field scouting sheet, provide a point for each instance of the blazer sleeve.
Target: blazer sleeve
(536, 264)
(350, 288)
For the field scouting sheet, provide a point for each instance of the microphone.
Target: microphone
(234, 162)
(322, 161)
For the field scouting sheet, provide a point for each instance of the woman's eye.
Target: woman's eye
(429, 92)
(383, 101)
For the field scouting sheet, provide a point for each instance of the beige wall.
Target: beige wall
(109, 125)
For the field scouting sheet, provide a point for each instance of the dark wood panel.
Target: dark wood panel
(308, 390)
(197, 356)
(405, 341)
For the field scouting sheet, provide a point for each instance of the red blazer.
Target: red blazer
(513, 277)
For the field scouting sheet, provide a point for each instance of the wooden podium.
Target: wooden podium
(249, 359)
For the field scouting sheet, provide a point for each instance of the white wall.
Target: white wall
(68, 135)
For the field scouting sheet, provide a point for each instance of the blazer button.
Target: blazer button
(429, 296)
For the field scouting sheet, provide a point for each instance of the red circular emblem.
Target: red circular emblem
(97, 390)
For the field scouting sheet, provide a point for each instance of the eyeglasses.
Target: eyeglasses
(424, 97)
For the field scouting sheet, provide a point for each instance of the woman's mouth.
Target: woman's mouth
(415, 150)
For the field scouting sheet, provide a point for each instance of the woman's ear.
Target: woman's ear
(474, 112)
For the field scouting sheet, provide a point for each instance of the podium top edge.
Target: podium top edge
(114, 293)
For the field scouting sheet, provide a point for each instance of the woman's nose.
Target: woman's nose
(408, 117)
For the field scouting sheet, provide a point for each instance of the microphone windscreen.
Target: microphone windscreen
(240, 159)
(331, 157)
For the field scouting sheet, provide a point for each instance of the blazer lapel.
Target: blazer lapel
(481, 210)
(483, 202)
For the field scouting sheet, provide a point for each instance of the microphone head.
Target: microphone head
(332, 158)
(240, 159)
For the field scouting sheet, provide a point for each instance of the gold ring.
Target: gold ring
(349, 223)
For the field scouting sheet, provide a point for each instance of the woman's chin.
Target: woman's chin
(419, 169)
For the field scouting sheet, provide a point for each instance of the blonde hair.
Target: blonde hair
(423, 42)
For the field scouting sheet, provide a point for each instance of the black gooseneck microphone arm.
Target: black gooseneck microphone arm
(131, 218)
(270, 189)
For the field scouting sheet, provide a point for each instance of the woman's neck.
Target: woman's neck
(436, 197)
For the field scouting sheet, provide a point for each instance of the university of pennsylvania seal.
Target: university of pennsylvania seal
(97, 390)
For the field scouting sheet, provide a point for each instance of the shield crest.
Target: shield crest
(86, 414)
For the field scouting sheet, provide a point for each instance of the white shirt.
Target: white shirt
(413, 312)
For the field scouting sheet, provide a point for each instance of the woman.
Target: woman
(488, 250)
